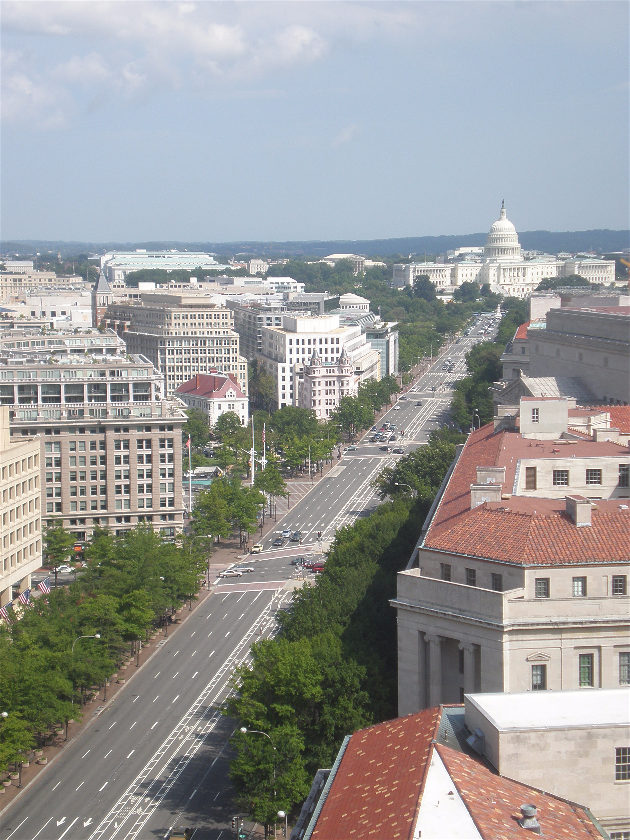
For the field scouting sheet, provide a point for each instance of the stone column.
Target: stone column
(434, 653)
(469, 666)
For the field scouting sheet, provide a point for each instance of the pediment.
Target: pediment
(538, 657)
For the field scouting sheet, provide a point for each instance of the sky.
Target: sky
(228, 121)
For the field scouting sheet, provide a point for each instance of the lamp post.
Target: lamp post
(403, 484)
(247, 731)
(475, 415)
(284, 816)
(78, 638)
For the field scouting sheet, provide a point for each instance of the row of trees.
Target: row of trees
(332, 667)
(50, 656)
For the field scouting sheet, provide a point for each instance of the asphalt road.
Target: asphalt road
(158, 754)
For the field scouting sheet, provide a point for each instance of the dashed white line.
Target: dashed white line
(176, 652)
(227, 634)
(131, 753)
(194, 652)
(82, 783)
(84, 754)
(155, 698)
(102, 786)
(112, 725)
(174, 699)
(56, 786)
(154, 725)
(137, 697)
(175, 674)
(194, 675)
(241, 616)
(193, 633)
(157, 675)
(210, 654)
(133, 724)
(105, 756)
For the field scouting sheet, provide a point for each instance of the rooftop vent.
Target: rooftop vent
(477, 742)
(528, 819)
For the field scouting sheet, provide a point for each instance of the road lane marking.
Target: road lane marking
(84, 754)
(42, 828)
(68, 829)
(133, 724)
(82, 783)
(155, 698)
(194, 675)
(131, 753)
(241, 616)
(176, 652)
(174, 699)
(175, 674)
(193, 633)
(112, 725)
(15, 829)
(227, 634)
(210, 654)
(217, 795)
(157, 675)
(105, 756)
(137, 697)
(194, 652)
(55, 787)
(154, 725)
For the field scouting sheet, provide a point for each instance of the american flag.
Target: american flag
(4, 611)
(24, 597)
(44, 586)
(188, 443)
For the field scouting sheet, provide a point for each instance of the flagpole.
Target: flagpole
(189, 479)
(253, 454)
(264, 443)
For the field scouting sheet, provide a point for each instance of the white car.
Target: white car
(64, 569)
(396, 408)
(230, 573)
(244, 569)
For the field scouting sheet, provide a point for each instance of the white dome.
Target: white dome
(502, 241)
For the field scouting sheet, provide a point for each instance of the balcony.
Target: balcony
(101, 411)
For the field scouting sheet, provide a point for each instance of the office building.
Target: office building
(20, 510)
(519, 581)
(182, 335)
(110, 444)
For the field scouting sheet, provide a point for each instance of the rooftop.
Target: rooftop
(555, 709)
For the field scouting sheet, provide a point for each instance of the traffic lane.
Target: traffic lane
(109, 753)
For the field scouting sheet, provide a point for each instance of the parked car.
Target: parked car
(317, 567)
(286, 533)
(64, 569)
(230, 573)
(296, 536)
(278, 542)
(351, 449)
(257, 548)
(244, 569)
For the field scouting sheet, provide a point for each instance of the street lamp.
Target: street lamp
(403, 484)
(284, 816)
(247, 731)
(475, 415)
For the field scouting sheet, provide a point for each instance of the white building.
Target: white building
(215, 394)
(503, 267)
(118, 264)
(321, 387)
(287, 349)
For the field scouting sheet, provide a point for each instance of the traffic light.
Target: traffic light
(233, 822)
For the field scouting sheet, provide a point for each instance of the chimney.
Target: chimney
(578, 509)
(490, 475)
(480, 493)
(196, 381)
(528, 819)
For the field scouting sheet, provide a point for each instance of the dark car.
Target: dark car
(296, 536)
(385, 448)
(298, 561)
(419, 403)
(398, 451)
(279, 541)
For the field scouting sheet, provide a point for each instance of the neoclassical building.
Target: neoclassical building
(503, 266)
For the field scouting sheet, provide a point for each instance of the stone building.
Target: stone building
(20, 510)
(520, 578)
(182, 335)
(110, 444)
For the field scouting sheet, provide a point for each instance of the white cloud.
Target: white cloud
(346, 135)
(83, 70)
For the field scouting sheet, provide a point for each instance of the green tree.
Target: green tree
(353, 415)
(59, 545)
(467, 292)
(571, 281)
(211, 514)
(423, 288)
(197, 427)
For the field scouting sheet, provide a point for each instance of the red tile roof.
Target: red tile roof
(379, 782)
(377, 789)
(521, 332)
(494, 803)
(525, 530)
(210, 385)
(619, 416)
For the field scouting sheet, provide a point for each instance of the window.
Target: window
(624, 475)
(593, 476)
(586, 667)
(579, 587)
(471, 577)
(445, 571)
(535, 415)
(530, 478)
(539, 677)
(619, 835)
(619, 585)
(622, 764)
(497, 582)
(541, 587)
(561, 478)
(624, 668)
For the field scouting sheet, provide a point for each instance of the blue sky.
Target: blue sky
(132, 121)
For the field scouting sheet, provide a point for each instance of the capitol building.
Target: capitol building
(502, 265)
